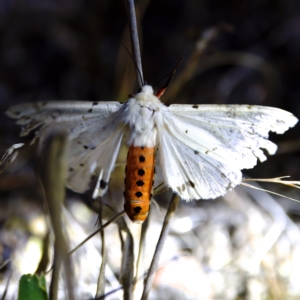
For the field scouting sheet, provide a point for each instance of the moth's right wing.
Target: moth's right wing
(203, 147)
(95, 132)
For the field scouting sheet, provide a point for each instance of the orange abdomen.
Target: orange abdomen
(139, 174)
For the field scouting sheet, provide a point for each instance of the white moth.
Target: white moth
(201, 149)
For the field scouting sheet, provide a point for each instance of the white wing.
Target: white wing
(76, 115)
(99, 161)
(204, 147)
(95, 133)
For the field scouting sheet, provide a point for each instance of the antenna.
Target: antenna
(137, 68)
(162, 90)
(157, 82)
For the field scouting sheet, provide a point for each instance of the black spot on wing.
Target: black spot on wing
(195, 106)
(103, 184)
(191, 184)
(142, 158)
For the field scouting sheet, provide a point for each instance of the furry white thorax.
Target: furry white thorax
(143, 113)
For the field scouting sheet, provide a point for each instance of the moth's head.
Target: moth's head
(147, 89)
(146, 94)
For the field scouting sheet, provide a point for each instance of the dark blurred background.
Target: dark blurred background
(72, 50)
(238, 52)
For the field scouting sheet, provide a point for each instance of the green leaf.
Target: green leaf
(32, 287)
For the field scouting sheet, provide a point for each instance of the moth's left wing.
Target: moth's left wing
(96, 163)
(73, 116)
(95, 131)
(208, 145)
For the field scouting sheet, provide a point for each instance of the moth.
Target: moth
(201, 149)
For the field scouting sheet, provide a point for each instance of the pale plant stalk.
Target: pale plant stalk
(162, 238)
(52, 171)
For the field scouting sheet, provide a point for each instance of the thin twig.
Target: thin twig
(107, 294)
(98, 230)
(101, 277)
(141, 250)
(6, 287)
(44, 261)
(162, 238)
(135, 46)
(4, 263)
(127, 268)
